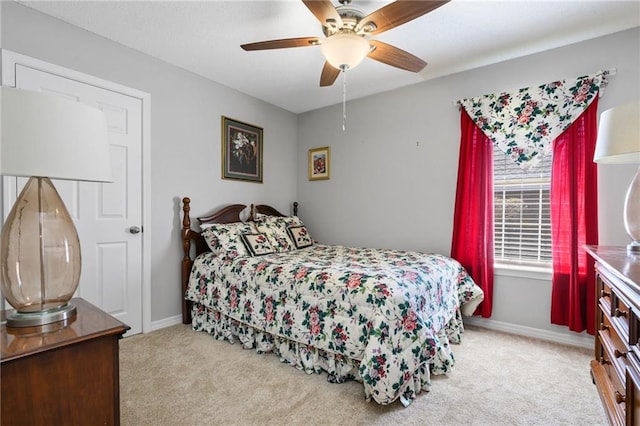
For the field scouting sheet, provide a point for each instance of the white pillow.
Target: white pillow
(225, 239)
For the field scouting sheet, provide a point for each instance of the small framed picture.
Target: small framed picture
(241, 151)
(319, 163)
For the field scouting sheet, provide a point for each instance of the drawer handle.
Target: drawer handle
(620, 398)
(605, 293)
(619, 313)
(619, 354)
(604, 361)
(603, 326)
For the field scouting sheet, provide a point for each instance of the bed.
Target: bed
(385, 318)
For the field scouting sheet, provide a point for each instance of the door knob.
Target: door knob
(135, 229)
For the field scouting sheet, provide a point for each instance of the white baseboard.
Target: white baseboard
(167, 322)
(582, 340)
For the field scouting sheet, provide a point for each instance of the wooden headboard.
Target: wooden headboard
(228, 214)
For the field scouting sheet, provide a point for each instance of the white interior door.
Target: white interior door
(106, 215)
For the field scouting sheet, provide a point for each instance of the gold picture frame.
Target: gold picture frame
(241, 151)
(319, 163)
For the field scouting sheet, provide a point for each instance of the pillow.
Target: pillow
(257, 244)
(275, 229)
(224, 239)
(300, 236)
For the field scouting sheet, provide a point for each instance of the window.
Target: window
(522, 216)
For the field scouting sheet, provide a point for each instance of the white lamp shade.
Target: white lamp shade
(48, 136)
(619, 135)
(344, 50)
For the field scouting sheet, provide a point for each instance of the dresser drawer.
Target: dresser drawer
(605, 290)
(634, 329)
(616, 333)
(613, 359)
(615, 319)
(633, 391)
(620, 315)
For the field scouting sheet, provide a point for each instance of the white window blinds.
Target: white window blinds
(522, 217)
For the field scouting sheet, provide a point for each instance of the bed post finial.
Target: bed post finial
(186, 226)
(186, 222)
(295, 208)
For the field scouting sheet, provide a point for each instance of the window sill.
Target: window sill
(531, 272)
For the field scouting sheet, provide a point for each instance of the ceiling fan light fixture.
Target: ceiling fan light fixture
(344, 50)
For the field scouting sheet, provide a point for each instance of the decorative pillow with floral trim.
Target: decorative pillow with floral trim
(275, 229)
(300, 236)
(257, 244)
(225, 239)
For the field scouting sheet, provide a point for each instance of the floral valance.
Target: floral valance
(524, 123)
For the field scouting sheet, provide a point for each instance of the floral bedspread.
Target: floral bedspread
(383, 317)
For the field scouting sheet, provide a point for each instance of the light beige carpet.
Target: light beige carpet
(176, 376)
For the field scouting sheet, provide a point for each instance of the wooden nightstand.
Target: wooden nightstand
(62, 373)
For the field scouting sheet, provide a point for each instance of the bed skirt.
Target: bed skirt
(312, 360)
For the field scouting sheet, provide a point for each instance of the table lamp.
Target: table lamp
(46, 136)
(619, 143)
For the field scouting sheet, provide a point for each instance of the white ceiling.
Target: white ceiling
(204, 37)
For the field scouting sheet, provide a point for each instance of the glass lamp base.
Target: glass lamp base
(633, 247)
(632, 214)
(40, 260)
(30, 319)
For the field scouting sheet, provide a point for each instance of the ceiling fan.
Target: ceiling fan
(348, 32)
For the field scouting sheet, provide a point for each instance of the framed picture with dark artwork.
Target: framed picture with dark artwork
(319, 163)
(241, 151)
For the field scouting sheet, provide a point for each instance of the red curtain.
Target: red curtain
(472, 243)
(574, 223)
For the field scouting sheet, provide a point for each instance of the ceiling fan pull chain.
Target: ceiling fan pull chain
(344, 100)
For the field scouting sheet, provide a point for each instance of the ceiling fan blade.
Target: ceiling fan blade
(395, 57)
(397, 13)
(329, 75)
(283, 43)
(325, 12)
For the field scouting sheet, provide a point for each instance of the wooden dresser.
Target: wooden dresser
(616, 367)
(62, 373)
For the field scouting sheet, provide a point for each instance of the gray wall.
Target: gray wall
(393, 171)
(185, 134)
